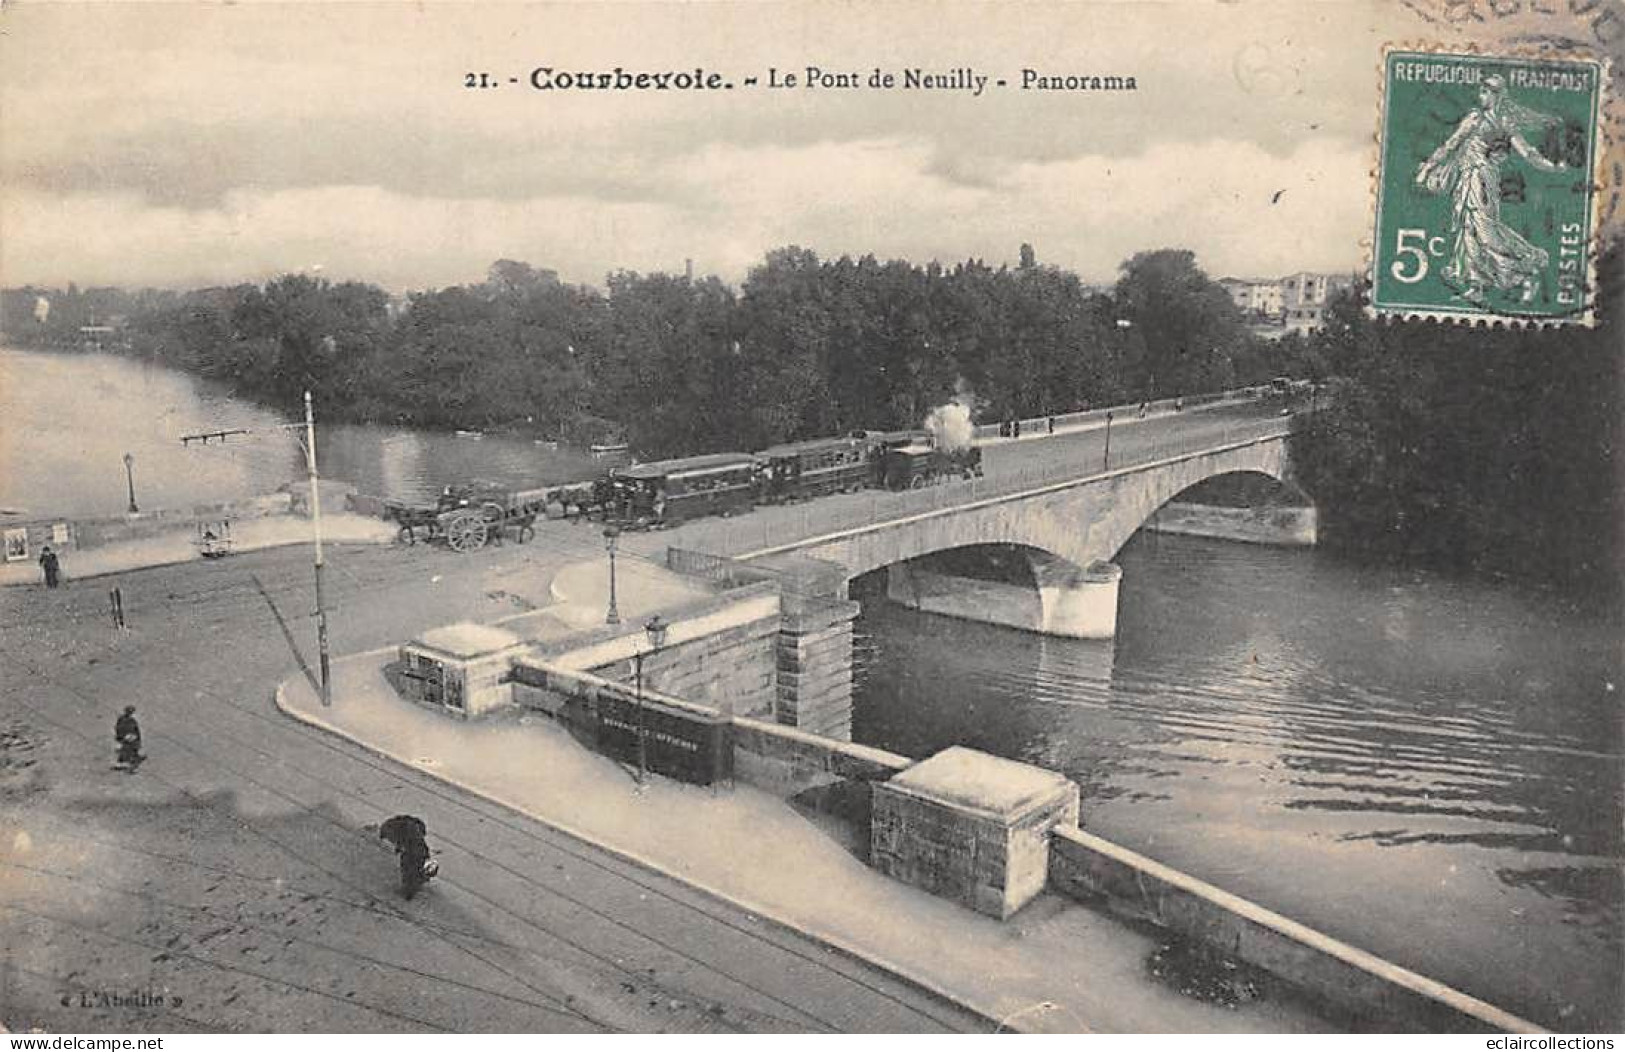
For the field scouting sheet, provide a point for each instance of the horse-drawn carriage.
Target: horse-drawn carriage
(466, 517)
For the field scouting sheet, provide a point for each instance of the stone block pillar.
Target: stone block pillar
(971, 827)
(1078, 602)
(815, 667)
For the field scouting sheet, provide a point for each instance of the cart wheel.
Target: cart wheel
(466, 532)
(917, 482)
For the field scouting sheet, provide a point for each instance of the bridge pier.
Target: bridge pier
(1070, 601)
(814, 680)
(1077, 602)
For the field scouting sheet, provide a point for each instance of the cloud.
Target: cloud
(193, 144)
(727, 206)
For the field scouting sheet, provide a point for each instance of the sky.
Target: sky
(191, 144)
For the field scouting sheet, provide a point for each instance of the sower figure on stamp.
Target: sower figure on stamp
(51, 565)
(1484, 251)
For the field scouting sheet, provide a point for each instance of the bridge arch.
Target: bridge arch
(1078, 525)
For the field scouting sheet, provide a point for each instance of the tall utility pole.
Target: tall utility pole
(316, 524)
(309, 444)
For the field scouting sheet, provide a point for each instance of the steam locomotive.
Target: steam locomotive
(668, 492)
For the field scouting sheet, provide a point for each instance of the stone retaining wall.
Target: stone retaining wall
(786, 761)
(83, 534)
(1086, 867)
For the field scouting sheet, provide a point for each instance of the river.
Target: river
(67, 420)
(1429, 769)
(1426, 768)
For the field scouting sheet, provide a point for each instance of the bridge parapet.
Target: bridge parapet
(763, 535)
(1071, 529)
(1082, 519)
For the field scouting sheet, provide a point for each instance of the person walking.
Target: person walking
(127, 732)
(52, 566)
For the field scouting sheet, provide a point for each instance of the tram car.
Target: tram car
(920, 464)
(814, 468)
(667, 492)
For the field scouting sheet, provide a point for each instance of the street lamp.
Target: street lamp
(129, 480)
(655, 629)
(612, 533)
(1106, 457)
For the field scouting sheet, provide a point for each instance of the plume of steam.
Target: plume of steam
(951, 425)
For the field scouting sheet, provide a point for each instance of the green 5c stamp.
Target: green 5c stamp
(1485, 188)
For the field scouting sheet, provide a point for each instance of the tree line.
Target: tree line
(1490, 450)
(803, 347)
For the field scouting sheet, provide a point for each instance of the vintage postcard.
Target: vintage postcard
(811, 517)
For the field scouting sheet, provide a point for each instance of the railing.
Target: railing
(807, 580)
(1040, 425)
(774, 527)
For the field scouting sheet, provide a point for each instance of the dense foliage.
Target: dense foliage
(804, 347)
(1490, 450)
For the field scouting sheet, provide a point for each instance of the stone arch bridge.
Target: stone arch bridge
(1069, 530)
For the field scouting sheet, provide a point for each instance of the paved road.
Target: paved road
(237, 870)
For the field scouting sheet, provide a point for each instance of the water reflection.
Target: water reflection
(400, 464)
(1429, 769)
(70, 418)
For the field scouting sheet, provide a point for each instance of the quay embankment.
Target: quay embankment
(96, 546)
(780, 825)
(1056, 967)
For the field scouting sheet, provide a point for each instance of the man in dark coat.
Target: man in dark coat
(51, 565)
(407, 833)
(127, 732)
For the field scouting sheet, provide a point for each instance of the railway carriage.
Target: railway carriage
(799, 470)
(667, 492)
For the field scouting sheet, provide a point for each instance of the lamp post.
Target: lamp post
(1106, 457)
(655, 629)
(612, 533)
(308, 442)
(316, 526)
(129, 480)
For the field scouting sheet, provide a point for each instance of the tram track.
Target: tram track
(510, 914)
(252, 747)
(553, 841)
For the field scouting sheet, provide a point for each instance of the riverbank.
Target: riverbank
(182, 545)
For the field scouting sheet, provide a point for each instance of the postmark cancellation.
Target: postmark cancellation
(1486, 187)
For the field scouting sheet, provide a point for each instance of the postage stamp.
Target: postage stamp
(1486, 188)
